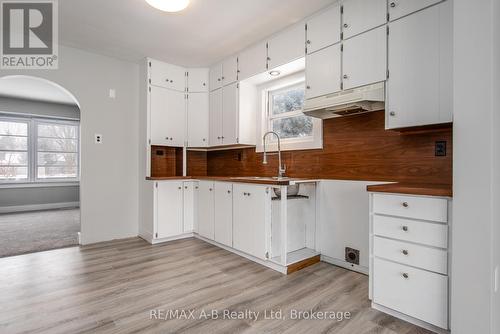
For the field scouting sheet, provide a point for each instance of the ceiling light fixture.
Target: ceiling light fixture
(274, 73)
(169, 5)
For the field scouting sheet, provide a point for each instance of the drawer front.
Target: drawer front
(425, 208)
(422, 295)
(431, 234)
(414, 255)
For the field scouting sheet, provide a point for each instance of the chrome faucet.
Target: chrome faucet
(281, 169)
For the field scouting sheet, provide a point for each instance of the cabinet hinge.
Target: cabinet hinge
(267, 190)
(238, 85)
(388, 17)
(150, 89)
(306, 26)
(387, 30)
(341, 47)
(149, 141)
(267, 255)
(149, 64)
(237, 140)
(341, 35)
(187, 74)
(341, 86)
(156, 235)
(149, 80)
(156, 184)
(387, 73)
(341, 9)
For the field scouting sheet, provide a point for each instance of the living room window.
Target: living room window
(37, 150)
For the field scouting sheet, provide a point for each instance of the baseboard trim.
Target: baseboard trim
(38, 207)
(344, 264)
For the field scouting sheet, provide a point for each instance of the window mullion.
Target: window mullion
(33, 151)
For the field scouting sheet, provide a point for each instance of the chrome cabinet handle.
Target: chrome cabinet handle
(392, 4)
(346, 25)
(405, 228)
(404, 251)
(405, 275)
(405, 204)
(392, 113)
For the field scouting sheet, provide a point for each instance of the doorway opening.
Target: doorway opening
(39, 166)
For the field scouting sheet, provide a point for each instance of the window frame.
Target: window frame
(315, 141)
(32, 167)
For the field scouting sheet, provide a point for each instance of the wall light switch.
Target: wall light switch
(98, 139)
(112, 94)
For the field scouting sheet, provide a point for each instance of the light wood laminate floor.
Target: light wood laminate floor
(112, 288)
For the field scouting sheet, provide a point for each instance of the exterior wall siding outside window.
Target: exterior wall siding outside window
(37, 150)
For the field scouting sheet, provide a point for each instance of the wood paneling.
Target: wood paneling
(354, 148)
(166, 161)
(196, 163)
(303, 264)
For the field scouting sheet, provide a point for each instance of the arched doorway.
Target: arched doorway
(39, 166)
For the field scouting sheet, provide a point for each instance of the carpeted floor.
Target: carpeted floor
(36, 231)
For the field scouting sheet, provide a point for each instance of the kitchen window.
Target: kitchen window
(36, 150)
(283, 105)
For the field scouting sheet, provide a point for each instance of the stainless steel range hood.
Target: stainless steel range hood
(348, 102)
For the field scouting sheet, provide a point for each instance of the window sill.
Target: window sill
(39, 184)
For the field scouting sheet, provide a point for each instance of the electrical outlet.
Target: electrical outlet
(352, 255)
(98, 138)
(440, 148)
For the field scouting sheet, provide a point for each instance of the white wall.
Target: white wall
(344, 221)
(473, 168)
(109, 171)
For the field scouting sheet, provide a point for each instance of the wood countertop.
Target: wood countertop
(443, 190)
(238, 179)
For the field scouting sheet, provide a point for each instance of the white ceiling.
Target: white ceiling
(204, 33)
(32, 88)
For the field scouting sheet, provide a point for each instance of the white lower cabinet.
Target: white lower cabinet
(206, 207)
(251, 205)
(169, 209)
(223, 225)
(190, 197)
(409, 263)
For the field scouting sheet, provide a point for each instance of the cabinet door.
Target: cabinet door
(197, 111)
(400, 8)
(419, 88)
(198, 80)
(358, 69)
(167, 75)
(169, 209)
(189, 207)
(230, 114)
(206, 209)
(286, 46)
(323, 29)
(249, 219)
(363, 15)
(323, 72)
(223, 230)
(230, 70)
(167, 108)
(252, 61)
(215, 121)
(216, 77)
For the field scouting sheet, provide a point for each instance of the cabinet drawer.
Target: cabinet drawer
(414, 255)
(431, 234)
(425, 208)
(417, 293)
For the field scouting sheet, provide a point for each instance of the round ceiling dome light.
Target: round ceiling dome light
(169, 5)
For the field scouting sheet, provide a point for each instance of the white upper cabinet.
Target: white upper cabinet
(167, 109)
(215, 122)
(362, 15)
(400, 8)
(223, 225)
(169, 212)
(419, 88)
(167, 75)
(252, 61)
(286, 46)
(197, 80)
(323, 72)
(358, 68)
(198, 120)
(216, 77)
(323, 29)
(230, 109)
(230, 70)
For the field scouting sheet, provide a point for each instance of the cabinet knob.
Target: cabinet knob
(308, 87)
(223, 78)
(218, 137)
(345, 76)
(405, 228)
(268, 58)
(392, 113)
(210, 189)
(218, 79)
(244, 194)
(204, 84)
(171, 81)
(405, 204)
(346, 25)
(404, 251)
(392, 4)
(196, 187)
(166, 80)
(180, 188)
(204, 139)
(222, 137)
(229, 191)
(405, 275)
(185, 187)
(308, 42)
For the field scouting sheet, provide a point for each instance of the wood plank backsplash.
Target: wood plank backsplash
(354, 148)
